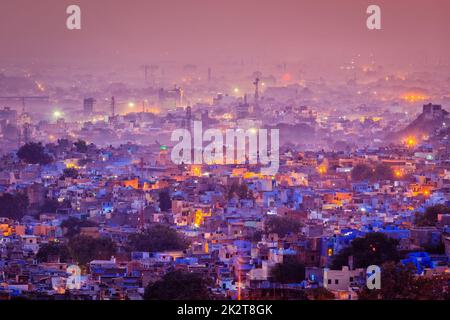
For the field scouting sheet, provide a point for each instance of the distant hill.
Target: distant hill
(432, 118)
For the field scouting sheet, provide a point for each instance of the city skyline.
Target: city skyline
(226, 151)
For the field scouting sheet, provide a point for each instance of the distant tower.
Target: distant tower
(113, 107)
(26, 133)
(24, 128)
(188, 117)
(88, 106)
(146, 68)
(205, 117)
(256, 83)
(209, 74)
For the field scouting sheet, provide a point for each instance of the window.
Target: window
(336, 281)
(351, 279)
(329, 281)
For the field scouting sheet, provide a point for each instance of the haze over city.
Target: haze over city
(135, 147)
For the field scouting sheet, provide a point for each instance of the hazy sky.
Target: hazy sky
(207, 29)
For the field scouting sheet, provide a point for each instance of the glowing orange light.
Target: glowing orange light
(154, 110)
(72, 165)
(411, 142)
(414, 97)
(322, 169)
(196, 171)
(227, 116)
(200, 217)
(330, 252)
(239, 287)
(286, 77)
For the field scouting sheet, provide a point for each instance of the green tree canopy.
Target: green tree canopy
(64, 144)
(13, 206)
(49, 206)
(383, 172)
(361, 172)
(240, 191)
(430, 217)
(379, 172)
(52, 205)
(399, 282)
(34, 153)
(372, 249)
(52, 250)
(290, 271)
(85, 249)
(165, 202)
(178, 285)
(81, 146)
(157, 237)
(282, 225)
(70, 173)
(72, 226)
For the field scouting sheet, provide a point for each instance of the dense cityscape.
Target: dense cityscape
(94, 207)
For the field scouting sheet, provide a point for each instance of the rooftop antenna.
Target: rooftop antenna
(146, 68)
(113, 106)
(256, 83)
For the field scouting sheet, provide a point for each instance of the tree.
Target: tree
(400, 282)
(240, 191)
(52, 205)
(49, 206)
(49, 251)
(64, 144)
(84, 161)
(243, 191)
(430, 217)
(156, 238)
(290, 271)
(70, 173)
(361, 172)
(13, 206)
(282, 225)
(178, 285)
(372, 249)
(257, 236)
(81, 146)
(165, 203)
(85, 249)
(383, 172)
(72, 226)
(435, 248)
(34, 153)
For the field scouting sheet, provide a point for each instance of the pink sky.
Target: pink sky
(205, 29)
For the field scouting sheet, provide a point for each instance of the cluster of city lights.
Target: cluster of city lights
(414, 97)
